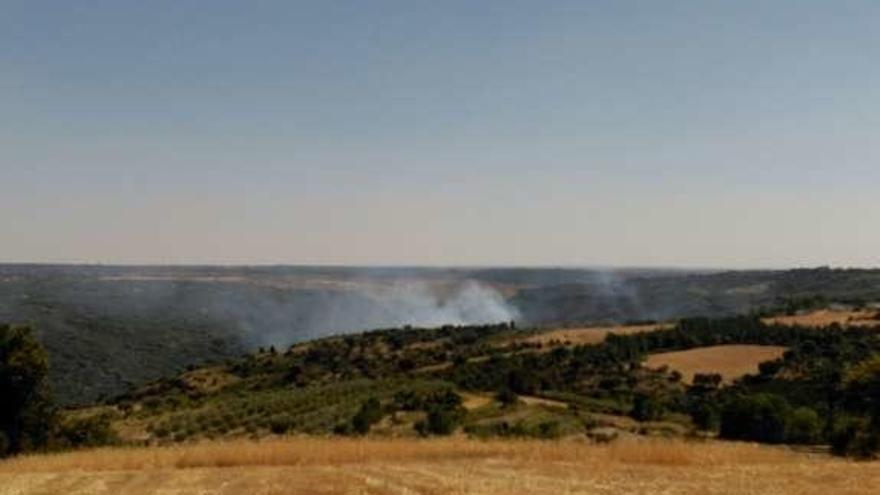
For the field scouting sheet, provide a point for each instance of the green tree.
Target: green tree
(862, 385)
(860, 436)
(702, 400)
(759, 417)
(25, 410)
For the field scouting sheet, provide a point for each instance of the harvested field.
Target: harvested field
(825, 317)
(731, 361)
(586, 335)
(450, 466)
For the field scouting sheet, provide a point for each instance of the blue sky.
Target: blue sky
(700, 133)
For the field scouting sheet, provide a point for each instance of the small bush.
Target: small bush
(549, 429)
(646, 408)
(161, 431)
(343, 429)
(804, 426)
(441, 421)
(855, 437)
(369, 414)
(92, 431)
(507, 397)
(281, 424)
(498, 429)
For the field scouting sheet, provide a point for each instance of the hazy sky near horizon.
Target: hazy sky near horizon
(686, 133)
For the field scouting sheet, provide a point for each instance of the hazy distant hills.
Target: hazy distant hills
(109, 327)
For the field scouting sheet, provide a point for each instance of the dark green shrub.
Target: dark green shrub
(759, 417)
(441, 421)
(647, 408)
(369, 414)
(343, 429)
(92, 431)
(152, 403)
(498, 429)
(408, 400)
(855, 437)
(522, 381)
(507, 397)
(704, 415)
(549, 429)
(446, 399)
(804, 426)
(281, 424)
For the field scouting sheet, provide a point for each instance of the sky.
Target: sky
(592, 133)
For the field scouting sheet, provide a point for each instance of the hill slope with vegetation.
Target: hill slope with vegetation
(820, 387)
(497, 381)
(107, 329)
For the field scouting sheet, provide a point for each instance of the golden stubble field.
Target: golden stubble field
(447, 466)
(730, 361)
(587, 335)
(825, 317)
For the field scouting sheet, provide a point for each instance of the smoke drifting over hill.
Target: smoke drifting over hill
(280, 319)
(418, 304)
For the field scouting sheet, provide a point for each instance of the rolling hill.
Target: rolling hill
(110, 328)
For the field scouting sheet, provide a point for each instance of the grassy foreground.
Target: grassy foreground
(448, 466)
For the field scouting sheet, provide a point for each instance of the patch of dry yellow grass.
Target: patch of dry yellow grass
(731, 361)
(447, 466)
(586, 335)
(312, 451)
(473, 401)
(825, 317)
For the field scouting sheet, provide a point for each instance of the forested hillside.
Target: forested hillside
(109, 328)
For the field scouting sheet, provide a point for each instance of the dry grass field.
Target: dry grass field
(597, 334)
(587, 335)
(731, 361)
(825, 317)
(449, 466)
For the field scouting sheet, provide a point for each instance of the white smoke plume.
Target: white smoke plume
(298, 316)
(419, 305)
